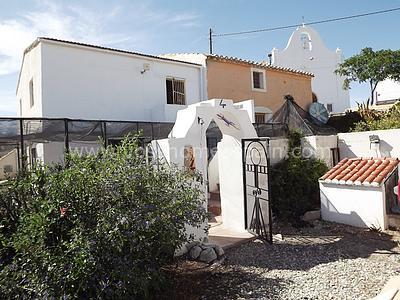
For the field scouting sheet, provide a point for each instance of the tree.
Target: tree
(372, 67)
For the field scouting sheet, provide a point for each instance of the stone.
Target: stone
(208, 255)
(195, 251)
(192, 244)
(277, 237)
(311, 215)
(218, 249)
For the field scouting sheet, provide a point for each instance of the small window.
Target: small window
(329, 107)
(31, 96)
(260, 118)
(258, 79)
(175, 91)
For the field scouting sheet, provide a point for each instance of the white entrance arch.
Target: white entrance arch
(188, 138)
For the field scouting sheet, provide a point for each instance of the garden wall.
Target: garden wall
(313, 147)
(357, 144)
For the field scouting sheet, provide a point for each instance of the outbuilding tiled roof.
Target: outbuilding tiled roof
(361, 171)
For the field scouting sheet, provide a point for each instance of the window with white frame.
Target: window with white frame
(258, 79)
(175, 91)
(31, 95)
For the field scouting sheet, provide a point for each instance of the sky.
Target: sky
(170, 26)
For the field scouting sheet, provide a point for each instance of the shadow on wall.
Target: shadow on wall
(333, 215)
(362, 147)
(385, 149)
(345, 150)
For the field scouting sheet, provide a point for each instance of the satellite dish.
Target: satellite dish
(318, 112)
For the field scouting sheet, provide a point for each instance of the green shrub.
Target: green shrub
(294, 183)
(388, 120)
(101, 228)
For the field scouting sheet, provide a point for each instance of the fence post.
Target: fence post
(105, 134)
(21, 136)
(66, 142)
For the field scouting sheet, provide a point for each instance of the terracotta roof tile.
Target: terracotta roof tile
(361, 171)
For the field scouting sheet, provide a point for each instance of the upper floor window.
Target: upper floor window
(258, 79)
(31, 95)
(175, 91)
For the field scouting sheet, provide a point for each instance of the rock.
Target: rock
(208, 255)
(195, 251)
(277, 237)
(218, 249)
(311, 215)
(192, 244)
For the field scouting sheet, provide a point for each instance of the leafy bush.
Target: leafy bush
(101, 228)
(294, 182)
(381, 121)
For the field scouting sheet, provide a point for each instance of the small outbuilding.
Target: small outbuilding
(356, 191)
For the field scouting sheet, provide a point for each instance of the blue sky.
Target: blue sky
(163, 26)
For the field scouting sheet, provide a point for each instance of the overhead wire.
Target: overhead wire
(306, 23)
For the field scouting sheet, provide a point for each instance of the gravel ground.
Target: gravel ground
(325, 261)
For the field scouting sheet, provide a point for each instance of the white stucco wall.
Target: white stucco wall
(231, 183)
(320, 61)
(320, 146)
(312, 147)
(353, 205)
(213, 174)
(90, 83)
(357, 144)
(30, 70)
(190, 130)
(387, 90)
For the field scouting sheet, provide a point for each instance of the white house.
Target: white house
(306, 51)
(62, 79)
(387, 91)
(75, 80)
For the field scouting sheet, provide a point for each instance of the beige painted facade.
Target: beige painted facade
(231, 79)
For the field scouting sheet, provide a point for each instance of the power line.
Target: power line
(309, 23)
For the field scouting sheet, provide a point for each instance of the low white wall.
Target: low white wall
(320, 146)
(353, 205)
(356, 144)
(313, 147)
(278, 149)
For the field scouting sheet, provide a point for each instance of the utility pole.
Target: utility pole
(210, 40)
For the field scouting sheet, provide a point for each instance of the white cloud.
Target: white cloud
(70, 23)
